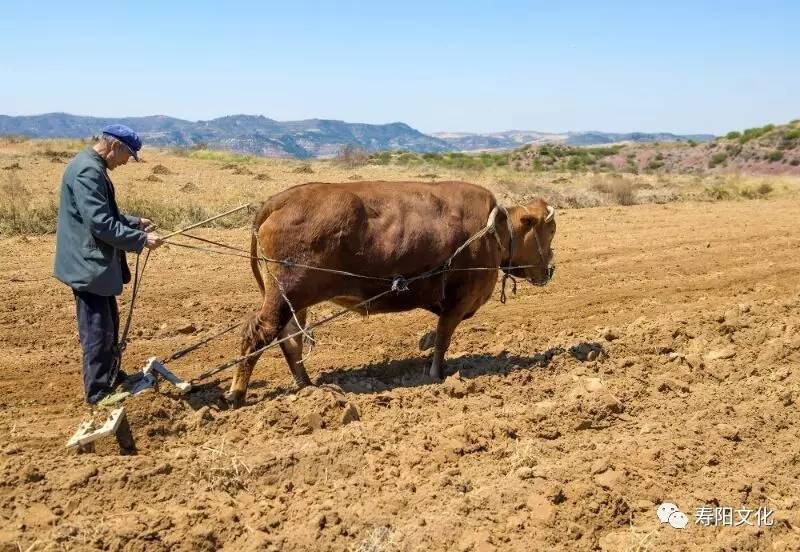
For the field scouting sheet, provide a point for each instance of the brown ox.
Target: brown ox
(384, 230)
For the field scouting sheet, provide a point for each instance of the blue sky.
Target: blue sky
(438, 66)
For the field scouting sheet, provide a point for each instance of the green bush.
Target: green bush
(381, 158)
(753, 133)
(775, 156)
(733, 135)
(733, 149)
(792, 134)
(717, 159)
(407, 158)
(432, 157)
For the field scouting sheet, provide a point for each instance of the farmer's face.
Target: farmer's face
(120, 154)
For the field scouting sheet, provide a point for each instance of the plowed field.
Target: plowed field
(527, 445)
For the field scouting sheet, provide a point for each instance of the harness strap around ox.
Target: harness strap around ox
(511, 242)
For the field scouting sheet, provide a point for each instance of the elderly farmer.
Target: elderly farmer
(92, 237)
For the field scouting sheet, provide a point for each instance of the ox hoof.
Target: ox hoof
(235, 399)
(427, 341)
(436, 374)
(302, 382)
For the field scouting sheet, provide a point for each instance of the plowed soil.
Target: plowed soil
(527, 445)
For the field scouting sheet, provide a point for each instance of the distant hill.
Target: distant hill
(259, 135)
(771, 149)
(251, 134)
(463, 141)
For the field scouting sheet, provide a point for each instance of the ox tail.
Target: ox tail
(261, 215)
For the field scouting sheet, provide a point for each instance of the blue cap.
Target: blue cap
(127, 136)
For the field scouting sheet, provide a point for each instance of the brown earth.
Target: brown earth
(694, 400)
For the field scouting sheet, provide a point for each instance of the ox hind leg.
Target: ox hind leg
(293, 350)
(448, 321)
(262, 327)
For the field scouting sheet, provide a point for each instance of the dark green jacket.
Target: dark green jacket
(91, 235)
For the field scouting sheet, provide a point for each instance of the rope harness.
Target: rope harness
(396, 285)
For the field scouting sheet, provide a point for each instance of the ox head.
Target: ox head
(534, 227)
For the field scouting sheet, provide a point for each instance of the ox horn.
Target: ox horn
(551, 214)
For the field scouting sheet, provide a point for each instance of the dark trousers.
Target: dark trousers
(98, 327)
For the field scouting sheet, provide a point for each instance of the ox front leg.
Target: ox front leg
(259, 331)
(293, 350)
(444, 332)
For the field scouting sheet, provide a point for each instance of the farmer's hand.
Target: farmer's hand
(153, 241)
(145, 224)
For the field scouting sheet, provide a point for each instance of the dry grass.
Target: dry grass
(381, 539)
(195, 184)
(222, 468)
(19, 213)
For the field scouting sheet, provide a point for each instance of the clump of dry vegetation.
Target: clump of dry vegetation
(20, 214)
(618, 189)
(305, 168)
(177, 213)
(352, 156)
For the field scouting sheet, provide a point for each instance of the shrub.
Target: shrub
(717, 192)
(775, 156)
(574, 163)
(624, 193)
(618, 189)
(733, 135)
(381, 158)
(753, 133)
(716, 159)
(792, 134)
(764, 189)
(733, 149)
(406, 158)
